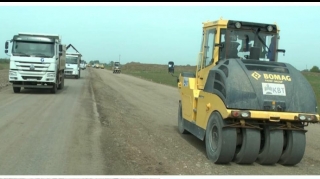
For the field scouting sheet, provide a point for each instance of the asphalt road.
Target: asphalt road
(112, 124)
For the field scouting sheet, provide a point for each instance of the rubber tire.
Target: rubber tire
(227, 140)
(181, 128)
(295, 148)
(272, 148)
(250, 147)
(54, 88)
(61, 85)
(16, 89)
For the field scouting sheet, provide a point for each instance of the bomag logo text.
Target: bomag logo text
(277, 77)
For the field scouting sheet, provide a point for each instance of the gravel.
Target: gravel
(4, 78)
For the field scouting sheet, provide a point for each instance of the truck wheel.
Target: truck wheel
(54, 87)
(16, 89)
(61, 85)
(220, 142)
(181, 128)
(77, 76)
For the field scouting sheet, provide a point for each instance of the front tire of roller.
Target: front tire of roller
(220, 142)
(181, 128)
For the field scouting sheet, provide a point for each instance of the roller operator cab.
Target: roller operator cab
(241, 101)
(36, 61)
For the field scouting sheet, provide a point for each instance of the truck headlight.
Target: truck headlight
(13, 73)
(51, 75)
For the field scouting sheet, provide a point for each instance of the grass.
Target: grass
(159, 74)
(314, 80)
(155, 73)
(4, 63)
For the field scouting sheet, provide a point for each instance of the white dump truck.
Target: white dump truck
(36, 61)
(73, 63)
(83, 65)
(116, 67)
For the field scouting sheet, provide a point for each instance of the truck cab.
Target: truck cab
(83, 65)
(116, 67)
(73, 65)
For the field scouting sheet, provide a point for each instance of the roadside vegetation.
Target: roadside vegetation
(4, 63)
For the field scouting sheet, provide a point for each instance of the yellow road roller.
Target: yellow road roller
(241, 101)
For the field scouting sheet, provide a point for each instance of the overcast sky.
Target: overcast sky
(158, 34)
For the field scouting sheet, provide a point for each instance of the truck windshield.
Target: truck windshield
(117, 64)
(72, 60)
(29, 48)
(248, 44)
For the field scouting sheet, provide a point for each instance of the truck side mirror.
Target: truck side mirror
(6, 51)
(7, 46)
(60, 50)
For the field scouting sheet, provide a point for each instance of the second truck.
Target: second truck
(73, 61)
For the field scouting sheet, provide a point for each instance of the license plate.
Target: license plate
(31, 79)
(273, 89)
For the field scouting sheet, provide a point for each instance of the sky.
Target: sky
(160, 32)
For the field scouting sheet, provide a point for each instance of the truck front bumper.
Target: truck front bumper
(16, 76)
(71, 73)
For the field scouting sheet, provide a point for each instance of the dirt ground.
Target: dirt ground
(113, 124)
(140, 134)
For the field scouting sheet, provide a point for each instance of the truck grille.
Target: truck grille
(31, 77)
(25, 67)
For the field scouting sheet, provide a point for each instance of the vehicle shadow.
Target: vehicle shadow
(71, 77)
(39, 91)
(194, 141)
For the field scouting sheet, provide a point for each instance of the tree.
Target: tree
(315, 69)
